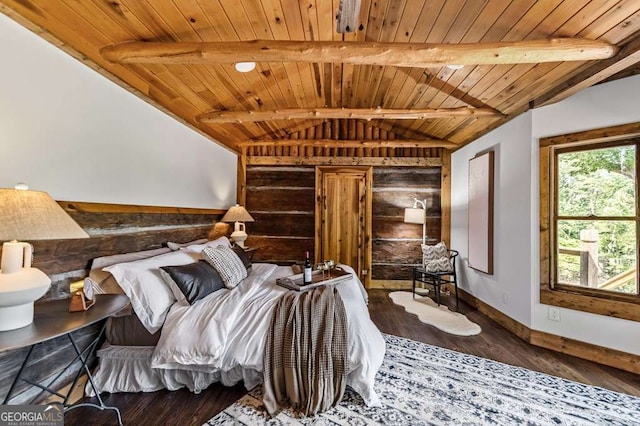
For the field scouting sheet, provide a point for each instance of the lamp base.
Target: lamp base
(13, 317)
(239, 237)
(18, 291)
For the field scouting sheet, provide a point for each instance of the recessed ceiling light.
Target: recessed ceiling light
(245, 66)
(455, 66)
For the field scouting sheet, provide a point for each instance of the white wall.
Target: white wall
(508, 289)
(69, 131)
(516, 253)
(604, 105)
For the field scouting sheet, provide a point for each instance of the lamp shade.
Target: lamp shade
(414, 216)
(237, 213)
(34, 215)
(27, 215)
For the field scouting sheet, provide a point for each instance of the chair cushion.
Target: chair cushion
(436, 258)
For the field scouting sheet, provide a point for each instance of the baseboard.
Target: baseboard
(391, 284)
(517, 328)
(600, 354)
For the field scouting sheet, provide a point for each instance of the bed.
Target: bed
(164, 343)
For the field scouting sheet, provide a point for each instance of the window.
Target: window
(595, 219)
(590, 221)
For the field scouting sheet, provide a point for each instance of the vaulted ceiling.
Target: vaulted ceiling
(289, 91)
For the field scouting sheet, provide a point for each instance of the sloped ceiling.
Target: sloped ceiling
(191, 90)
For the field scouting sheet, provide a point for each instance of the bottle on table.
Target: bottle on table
(306, 278)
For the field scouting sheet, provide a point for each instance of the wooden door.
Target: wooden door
(343, 217)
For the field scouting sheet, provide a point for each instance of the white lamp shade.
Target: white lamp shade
(237, 213)
(34, 215)
(414, 216)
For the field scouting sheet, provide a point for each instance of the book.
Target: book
(295, 282)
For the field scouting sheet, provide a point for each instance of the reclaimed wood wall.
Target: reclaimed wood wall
(282, 201)
(275, 181)
(113, 229)
(396, 245)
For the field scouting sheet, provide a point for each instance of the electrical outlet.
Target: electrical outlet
(364, 272)
(505, 298)
(554, 314)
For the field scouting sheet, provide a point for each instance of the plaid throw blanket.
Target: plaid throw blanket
(306, 360)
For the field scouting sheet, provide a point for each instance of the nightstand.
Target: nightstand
(250, 251)
(52, 319)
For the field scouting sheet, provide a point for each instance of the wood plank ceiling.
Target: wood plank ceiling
(191, 90)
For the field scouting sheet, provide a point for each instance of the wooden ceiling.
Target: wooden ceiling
(281, 98)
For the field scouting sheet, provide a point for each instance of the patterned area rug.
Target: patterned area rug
(420, 384)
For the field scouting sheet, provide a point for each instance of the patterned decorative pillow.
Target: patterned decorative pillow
(227, 263)
(436, 258)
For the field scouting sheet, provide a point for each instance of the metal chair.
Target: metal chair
(438, 278)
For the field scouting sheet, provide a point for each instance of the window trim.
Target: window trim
(615, 304)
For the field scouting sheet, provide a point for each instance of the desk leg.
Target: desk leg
(84, 360)
(80, 355)
(15, 381)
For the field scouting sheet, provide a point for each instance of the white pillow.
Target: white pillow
(104, 261)
(104, 282)
(227, 263)
(197, 248)
(150, 296)
(177, 246)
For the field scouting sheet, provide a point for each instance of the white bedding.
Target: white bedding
(225, 332)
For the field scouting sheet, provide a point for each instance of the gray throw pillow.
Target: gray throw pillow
(193, 281)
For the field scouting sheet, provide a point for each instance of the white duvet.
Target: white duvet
(224, 334)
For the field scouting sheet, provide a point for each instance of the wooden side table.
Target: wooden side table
(52, 319)
(250, 251)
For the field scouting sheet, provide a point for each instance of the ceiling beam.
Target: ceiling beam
(361, 113)
(361, 52)
(333, 143)
(628, 56)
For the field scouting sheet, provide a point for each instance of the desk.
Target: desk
(52, 319)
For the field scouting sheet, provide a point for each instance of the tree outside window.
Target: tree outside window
(595, 218)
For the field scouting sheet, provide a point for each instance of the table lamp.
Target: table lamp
(27, 215)
(418, 215)
(239, 215)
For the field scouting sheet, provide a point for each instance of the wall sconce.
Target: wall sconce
(27, 215)
(418, 215)
(239, 215)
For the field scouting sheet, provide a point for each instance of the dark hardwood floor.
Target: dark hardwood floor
(185, 408)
